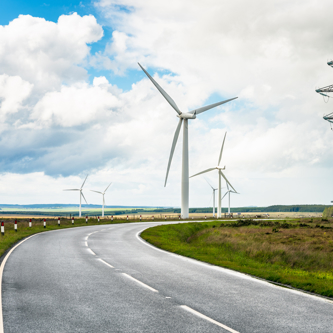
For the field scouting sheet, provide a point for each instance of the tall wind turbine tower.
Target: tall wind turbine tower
(214, 189)
(220, 174)
(81, 194)
(228, 192)
(103, 198)
(183, 117)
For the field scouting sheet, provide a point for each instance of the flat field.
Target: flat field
(298, 253)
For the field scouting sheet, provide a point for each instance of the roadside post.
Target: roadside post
(30, 223)
(44, 223)
(58, 221)
(111, 217)
(86, 219)
(205, 217)
(179, 217)
(98, 218)
(153, 218)
(140, 218)
(165, 217)
(2, 228)
(73, 220)
(15, 226)
(127, 217)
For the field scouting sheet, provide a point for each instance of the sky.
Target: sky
(73, 100)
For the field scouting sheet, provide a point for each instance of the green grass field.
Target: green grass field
(295, 253)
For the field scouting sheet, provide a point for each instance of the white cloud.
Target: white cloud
(46, 53)
(13, 91)
(270, 54)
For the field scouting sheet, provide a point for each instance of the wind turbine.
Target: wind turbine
(214, 189)
(103, 198)
(183, 117)
(228, 192)
(220, 173)
(81, 194)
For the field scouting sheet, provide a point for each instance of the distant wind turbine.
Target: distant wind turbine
(220, 173)
(214, 189)
(81, 194)
(103, 198)
(228, 192)
(183, 116)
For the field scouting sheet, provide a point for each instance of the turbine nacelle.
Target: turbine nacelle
(187, 115)
(220, 168)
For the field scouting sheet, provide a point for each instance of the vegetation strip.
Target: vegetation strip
(295, 253)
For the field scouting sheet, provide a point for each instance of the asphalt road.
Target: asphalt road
(105, 279)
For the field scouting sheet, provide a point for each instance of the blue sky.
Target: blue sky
(74, 101)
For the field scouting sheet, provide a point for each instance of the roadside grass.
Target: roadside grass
(295, 253)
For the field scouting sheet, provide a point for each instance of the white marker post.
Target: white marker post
(127, 217)
(2, 228)
(179, 217)
(30, 223)
(15, 225)
(73, 220)
(140, 218)
(165, 217)
(98, 218)
(58, 221)
(153, 217)
(111, 217)
(205, 217)
(86, 219)
(44, 223)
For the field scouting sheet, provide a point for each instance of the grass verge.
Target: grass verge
(295, 253)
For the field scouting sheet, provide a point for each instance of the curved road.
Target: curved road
(106, 279)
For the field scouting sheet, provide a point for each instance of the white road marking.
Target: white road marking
(86, 238)
(1, 272)
(141, 283)
(85, 243)
(92, 252)
(104, 262)
(196, 313)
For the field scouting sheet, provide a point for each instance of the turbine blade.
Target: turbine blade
(84, 197)
(174, 142)
(225, 194)
(84, 182)
(107, 187)
(72, 189)
(163, 92)
(209, 184)
(199, 173)
(220, 157)
(208, 107)
(228, 187)
(96, 191)
(227, 180)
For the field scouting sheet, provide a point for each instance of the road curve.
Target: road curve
(106, 279)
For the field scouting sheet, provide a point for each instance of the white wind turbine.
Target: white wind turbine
(183, 116)
(220, 173)
(228, 192)
(103, 198)
(81, 194)
(214, 189)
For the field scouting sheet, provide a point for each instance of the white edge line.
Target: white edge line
(92, 252)
(1, 272)
(227, 270)
(141, 283)
(85, 243)
(104, 262)
(198, 314)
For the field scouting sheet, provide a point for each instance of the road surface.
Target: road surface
(106, 279)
